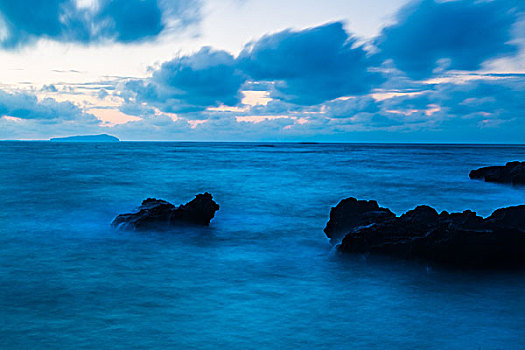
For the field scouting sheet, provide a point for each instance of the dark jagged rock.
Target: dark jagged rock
(512, 172)
(458, 238)
(159, 214)
(351, 213)
(513, 217)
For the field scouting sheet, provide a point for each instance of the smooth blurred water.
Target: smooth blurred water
(263, 275)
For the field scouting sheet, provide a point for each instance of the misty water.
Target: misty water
(263, 275)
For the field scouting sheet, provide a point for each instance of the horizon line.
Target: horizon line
(286, 142)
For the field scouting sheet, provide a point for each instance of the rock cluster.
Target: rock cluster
(512, 172)
(159, 214)
(422, 233)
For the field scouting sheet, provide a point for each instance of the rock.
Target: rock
(512, 217)
(351, 213)
(458, 238)
(159, 214)
(512, 172)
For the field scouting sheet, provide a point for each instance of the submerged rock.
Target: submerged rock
(512, 172)
(457, 238)
(159, 214)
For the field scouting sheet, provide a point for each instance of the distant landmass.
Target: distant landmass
(86, 138)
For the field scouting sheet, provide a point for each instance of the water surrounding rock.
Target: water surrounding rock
(456, 238)
(512, 172)
(159, 214)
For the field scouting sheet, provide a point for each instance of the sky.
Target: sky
(250, 70)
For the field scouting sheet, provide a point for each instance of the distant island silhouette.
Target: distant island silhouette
(86, 138)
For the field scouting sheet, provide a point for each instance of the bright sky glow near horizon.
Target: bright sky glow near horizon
(252, 70)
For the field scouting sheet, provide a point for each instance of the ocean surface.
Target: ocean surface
(263, 275)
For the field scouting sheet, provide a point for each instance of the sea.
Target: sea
(263, 275)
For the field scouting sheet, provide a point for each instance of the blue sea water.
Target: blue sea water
(263, 275)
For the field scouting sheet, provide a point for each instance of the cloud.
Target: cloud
(350, 107)
(304, 68)
(476, 99)
(34, 129)
(208, 78)
(49, 88)
(488, 109)
(310, 66)
(459, 35)
(481, 110)
(24, 105)
(24, 22)
(324, 84)
(487, 106)
(130, 20)
(321, 65)
(217, 127)
(102, 94)
(24, 116)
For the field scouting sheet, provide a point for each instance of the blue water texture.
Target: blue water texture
(263, 275)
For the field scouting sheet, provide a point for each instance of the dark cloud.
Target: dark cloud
(25, 105)
(115, 20)
(130, 20)
(463, 34)
(208, 78)
(310, 66)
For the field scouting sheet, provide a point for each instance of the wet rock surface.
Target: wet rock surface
(452, 238)
(159, 214)
(512, 173)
